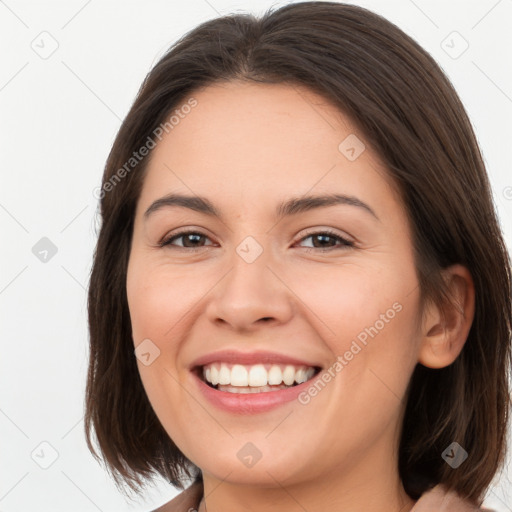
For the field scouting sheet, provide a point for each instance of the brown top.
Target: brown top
(435, 500)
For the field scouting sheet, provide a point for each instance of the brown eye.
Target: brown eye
(190, 240)
(324, 240)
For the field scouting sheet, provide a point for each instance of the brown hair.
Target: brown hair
(410, 114)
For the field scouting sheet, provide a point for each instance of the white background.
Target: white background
(59, 116)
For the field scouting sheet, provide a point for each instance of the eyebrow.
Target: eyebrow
(292, 206)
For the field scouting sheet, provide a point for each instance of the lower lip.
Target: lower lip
(250, 403)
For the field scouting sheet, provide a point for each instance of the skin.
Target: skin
(247, 147)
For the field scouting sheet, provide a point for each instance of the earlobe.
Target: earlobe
(445, 329)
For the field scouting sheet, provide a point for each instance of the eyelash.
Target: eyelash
(344, 242)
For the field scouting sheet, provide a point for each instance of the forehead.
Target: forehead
(263, 141)
(283, 121)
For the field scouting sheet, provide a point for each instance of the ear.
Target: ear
(444, 331)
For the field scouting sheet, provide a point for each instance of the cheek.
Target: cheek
(367, 316)
(156, 303)
(158, 298)
(349, 298)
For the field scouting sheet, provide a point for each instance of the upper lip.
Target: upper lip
(249, 358)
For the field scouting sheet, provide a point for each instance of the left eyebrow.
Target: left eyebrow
(292, 206)
(297, 205)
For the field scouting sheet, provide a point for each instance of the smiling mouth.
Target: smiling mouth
(258, 378)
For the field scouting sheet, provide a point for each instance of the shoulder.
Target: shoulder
(439, 499)
(186, 501)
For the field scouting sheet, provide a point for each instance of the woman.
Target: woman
(300, 296)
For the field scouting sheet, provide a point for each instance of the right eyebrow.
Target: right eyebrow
(196, 203)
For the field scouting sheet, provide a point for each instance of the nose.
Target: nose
(250, 295)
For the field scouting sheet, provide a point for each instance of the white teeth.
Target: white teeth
(256, 376)
(224, 375)
(214, 375)
(275, 375)
(239, 375)
(300, 375)
(289, 375)
(248, 389)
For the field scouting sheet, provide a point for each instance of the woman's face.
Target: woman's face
(273, 291)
